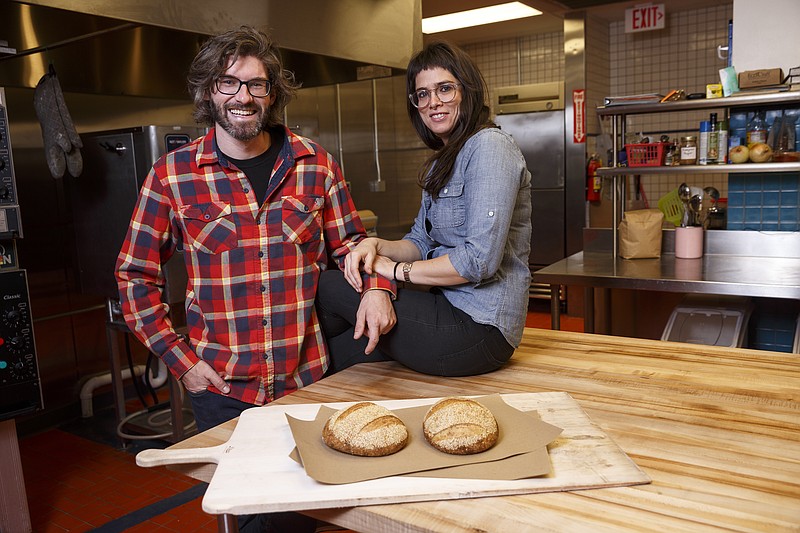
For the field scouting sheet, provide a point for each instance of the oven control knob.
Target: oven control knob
(5, 192)
(12, 316)
(18, 343)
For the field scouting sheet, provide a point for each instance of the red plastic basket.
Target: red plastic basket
(646, 155)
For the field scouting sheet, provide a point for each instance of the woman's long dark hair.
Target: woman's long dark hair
(473, 115)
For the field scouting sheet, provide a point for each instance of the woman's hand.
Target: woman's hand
(363, 254)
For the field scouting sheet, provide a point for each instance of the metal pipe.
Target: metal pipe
(81, 38)
(340, 142)
(375, 127)
(614, 184)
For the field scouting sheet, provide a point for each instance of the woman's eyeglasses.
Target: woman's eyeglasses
(445, 92)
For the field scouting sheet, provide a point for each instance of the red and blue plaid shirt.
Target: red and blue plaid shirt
(253, 268)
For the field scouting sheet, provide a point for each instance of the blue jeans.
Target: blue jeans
(431, 336)
(210, 410)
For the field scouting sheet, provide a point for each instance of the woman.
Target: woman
(469, 243)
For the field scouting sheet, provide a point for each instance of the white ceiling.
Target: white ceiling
(551, 21)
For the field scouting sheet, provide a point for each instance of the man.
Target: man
(259, 213)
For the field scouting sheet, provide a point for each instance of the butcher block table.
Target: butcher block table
(717, 430)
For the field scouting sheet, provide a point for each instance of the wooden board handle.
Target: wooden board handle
(149, 458)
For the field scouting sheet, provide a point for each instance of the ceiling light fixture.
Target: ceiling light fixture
(477, 17)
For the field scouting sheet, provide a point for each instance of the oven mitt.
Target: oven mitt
(62, 143)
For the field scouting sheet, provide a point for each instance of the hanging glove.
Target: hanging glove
(62, 143)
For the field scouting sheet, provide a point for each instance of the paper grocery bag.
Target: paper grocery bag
(640, 234)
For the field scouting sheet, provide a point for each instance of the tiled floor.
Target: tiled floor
(101, 489)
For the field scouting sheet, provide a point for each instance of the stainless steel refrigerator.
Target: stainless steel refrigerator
(534, 116)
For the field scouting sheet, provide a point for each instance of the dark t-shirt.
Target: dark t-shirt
(259, 169)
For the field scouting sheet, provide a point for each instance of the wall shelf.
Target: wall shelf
(744, 168)
(745, 100)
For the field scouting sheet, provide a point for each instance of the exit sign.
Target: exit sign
(645, 18)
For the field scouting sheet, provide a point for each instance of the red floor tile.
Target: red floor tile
(542, 320)
(74, 484)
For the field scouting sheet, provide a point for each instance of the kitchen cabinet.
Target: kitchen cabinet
(744, 263)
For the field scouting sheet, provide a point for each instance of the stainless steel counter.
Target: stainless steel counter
(729, 272)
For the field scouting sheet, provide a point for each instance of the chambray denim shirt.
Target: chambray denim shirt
(482, 221)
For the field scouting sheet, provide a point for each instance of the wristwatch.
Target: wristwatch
(407, 272)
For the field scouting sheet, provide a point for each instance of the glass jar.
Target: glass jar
(688, 150)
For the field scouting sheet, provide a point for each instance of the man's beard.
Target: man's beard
(240, 132)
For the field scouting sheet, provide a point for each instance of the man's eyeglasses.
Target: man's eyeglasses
(445, 92)
(230, 86)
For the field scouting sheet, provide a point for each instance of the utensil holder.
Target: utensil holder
(689, 242)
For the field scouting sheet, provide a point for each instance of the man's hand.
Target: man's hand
(375, 317)
(201, 376)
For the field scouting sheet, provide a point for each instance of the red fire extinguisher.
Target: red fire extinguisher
(593, 182)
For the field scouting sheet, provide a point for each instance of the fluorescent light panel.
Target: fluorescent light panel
(477, 17)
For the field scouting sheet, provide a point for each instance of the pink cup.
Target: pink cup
(689, 242)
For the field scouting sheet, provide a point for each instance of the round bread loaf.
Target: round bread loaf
(460, 426)
(365, 429)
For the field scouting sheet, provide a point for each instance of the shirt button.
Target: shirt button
(491, 213)
(246, 190)
(264, 322)
(260, 254)
(263, 288)
(206, 216)
(444, 191)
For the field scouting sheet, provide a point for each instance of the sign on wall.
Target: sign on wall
(579, 117)
(645, 18)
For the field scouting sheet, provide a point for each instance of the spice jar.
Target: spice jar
(688, 150)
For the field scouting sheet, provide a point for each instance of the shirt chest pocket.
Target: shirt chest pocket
(210, 228)
(302, 218)
(450, 209)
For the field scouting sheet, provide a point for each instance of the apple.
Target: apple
(760, 153)
(739, 154)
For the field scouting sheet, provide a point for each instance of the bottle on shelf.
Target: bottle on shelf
(713, 140)
(722, 156)
(757, 129)
(702, 152)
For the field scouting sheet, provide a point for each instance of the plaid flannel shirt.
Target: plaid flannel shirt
(253, 268)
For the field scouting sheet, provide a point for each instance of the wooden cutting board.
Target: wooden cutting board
(254, 473)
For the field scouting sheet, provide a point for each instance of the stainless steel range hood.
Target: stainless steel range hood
(143, 48)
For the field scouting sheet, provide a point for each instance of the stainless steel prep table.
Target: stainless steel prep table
(737, 263)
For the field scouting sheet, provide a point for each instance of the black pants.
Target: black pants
(211, 410)
(431, 336)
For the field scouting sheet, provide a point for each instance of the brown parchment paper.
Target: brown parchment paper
(520, 451)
